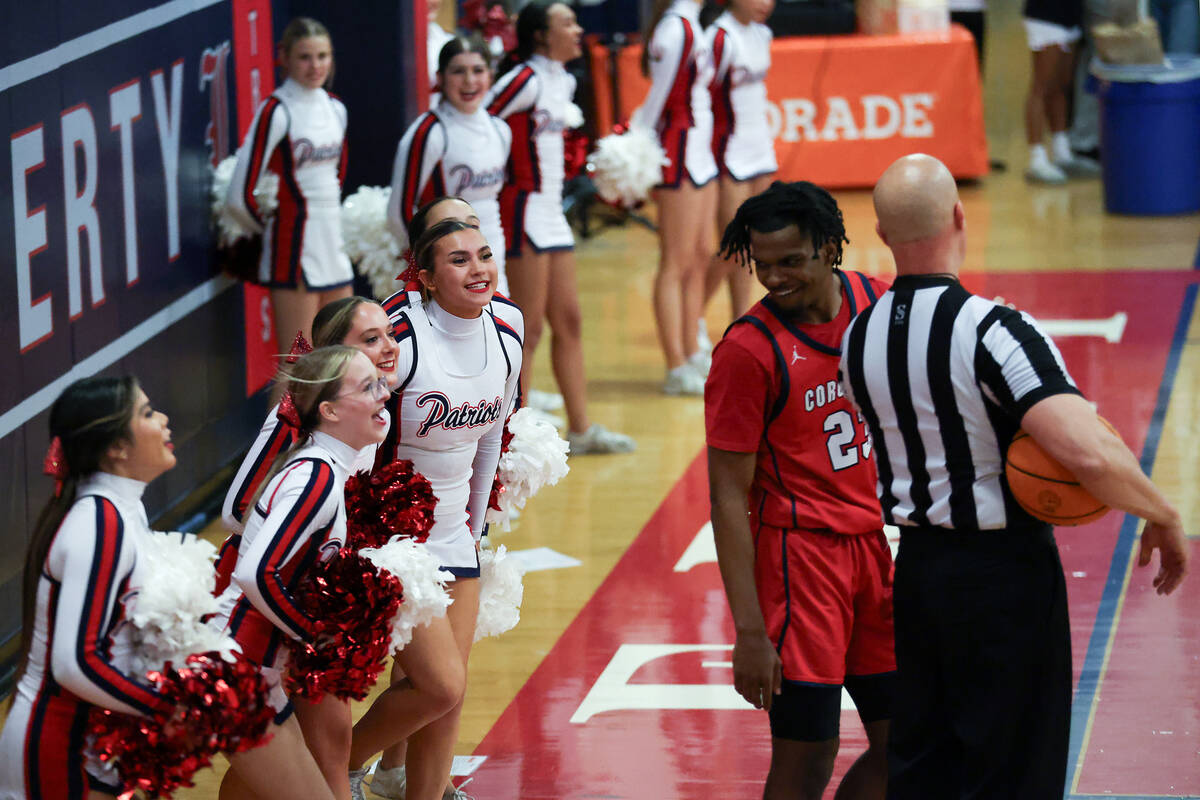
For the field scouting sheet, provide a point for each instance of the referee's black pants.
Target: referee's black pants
(983, 653)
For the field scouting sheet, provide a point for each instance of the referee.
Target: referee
(944, 379)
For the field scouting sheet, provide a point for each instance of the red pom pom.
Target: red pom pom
(353, 603)
(575, 148)
(220, 707)
(393, 500)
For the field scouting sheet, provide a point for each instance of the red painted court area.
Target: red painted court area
(635, 701)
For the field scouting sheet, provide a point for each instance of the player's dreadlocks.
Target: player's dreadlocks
(805, 205)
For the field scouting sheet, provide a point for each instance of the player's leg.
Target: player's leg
(805, 592)
(804, 741)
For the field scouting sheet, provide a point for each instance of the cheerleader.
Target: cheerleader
(677, 107)
(297, 518)
(298, 135)
(353, 321)
(533, 97)
(465, 362)
(80, 574)
(455, 149)
(742, 144)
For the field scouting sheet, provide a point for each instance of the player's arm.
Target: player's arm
(1067, 427)
(738, 391)
(757, 670)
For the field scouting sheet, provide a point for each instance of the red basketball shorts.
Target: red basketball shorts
(827, 602)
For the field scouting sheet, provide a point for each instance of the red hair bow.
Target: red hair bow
(55, 464)
(287, 413)
(409, 275)
(300, 346)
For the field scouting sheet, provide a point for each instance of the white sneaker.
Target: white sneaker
(1078, 166)
(389, 783)
(552, 419)
(544, 401)
(1041, 172)
(597, 440)
(684, 379)
(456, 792)
(701, 360)
(356, 784)
(702, 341)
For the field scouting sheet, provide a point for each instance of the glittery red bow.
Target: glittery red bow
(287, 413)
(300, 346)
(55, 464)
(409, 275)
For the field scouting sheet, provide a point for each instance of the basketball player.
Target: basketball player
(798, 528)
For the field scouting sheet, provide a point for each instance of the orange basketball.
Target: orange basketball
(1045, 488)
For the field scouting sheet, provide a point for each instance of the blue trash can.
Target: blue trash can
(1150, 136)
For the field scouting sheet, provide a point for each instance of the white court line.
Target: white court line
(97, 40)
(118, 348)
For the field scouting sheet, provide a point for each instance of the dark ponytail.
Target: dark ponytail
(656, 15)
(533, 19)
(89, 417)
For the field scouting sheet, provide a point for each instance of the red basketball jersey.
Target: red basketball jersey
(773, 390)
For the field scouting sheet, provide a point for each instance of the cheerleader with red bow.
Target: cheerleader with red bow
(81, 575)
(297, 519)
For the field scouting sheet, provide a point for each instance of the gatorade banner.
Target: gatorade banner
(842, 108)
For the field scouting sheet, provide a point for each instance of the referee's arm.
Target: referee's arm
(1067, 427)
(757, 669)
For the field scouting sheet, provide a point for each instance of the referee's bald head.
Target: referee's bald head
(915, 199)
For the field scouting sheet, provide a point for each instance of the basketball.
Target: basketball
(1045, 488)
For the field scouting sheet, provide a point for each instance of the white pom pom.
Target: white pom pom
(425, 595)
(177, 578)
(266, 194)
(573, 116)
(368, 242)
(627, 166)
(536, 457)
(500, 593)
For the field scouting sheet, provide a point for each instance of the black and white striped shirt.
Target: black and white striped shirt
(942, 378)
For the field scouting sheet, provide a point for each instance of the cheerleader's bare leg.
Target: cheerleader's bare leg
(326, 726)
(678, 211)
(433, 684)
(529, 282)
(566, 339)
(696, 263)
(294, 311)
(431, 749)
(282, 767)
(731, 194)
